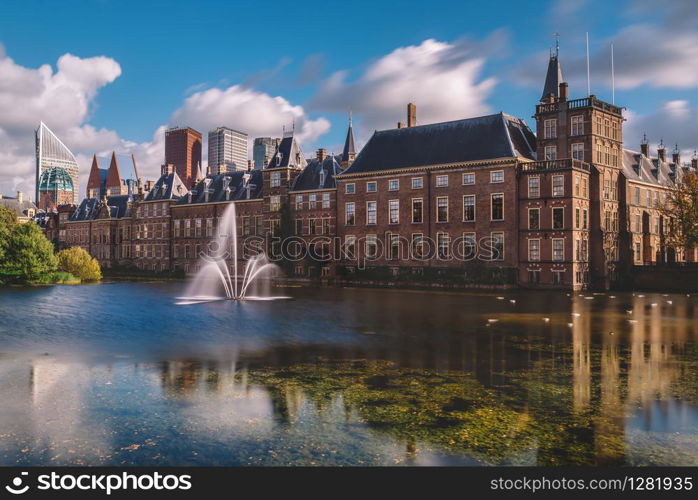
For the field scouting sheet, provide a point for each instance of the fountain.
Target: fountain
(214, 273)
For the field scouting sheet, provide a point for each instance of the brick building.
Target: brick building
(417, 195)
(183, 150)
(564, 208)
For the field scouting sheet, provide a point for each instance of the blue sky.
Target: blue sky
(139, 66)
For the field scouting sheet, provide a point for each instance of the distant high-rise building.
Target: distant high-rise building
(52, 154)
(183, 150)
(263, 150)
(227, 147)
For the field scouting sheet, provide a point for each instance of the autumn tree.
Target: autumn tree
(681, 210)
(79, 263)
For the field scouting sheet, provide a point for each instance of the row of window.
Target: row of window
(442, 211)
(419, 247)
(496, 176)
(557, 249)
(649, 200)
(312, 201)
(152, 210)
(604, 127)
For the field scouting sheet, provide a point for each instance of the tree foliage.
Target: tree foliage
(28, 255)
(8, 220)
(78, 262)
(681, 208)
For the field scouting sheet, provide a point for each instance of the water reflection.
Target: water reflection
(407, 379)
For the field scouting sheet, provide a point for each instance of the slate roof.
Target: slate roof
(117, 207)
(638, 167)
(315, 172)
(349, 147)
(225, 187)
(472, 139)
(553, 78)
(167, 187)
(20, 208)
(288, 154)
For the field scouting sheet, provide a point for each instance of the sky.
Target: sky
(113, 75)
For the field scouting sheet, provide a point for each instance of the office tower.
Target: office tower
(183, 150)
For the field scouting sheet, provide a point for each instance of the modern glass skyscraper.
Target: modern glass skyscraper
(227, 147)
(51, 153)
(262, 151)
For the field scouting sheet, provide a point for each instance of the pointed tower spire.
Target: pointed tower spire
(553, 78)
(349, 152)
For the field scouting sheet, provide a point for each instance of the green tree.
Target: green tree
(28, 255)
(8, 220)
(79, 263)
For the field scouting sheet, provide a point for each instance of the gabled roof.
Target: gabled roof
(472, 139)
(225, 187)
(553, 78)
(317, 175)
(167, 187)
(288, 154)
(116, 207)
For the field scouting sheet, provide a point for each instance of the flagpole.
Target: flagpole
(613, 78)
(588, 75)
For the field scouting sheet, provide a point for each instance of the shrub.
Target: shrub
(78, 262)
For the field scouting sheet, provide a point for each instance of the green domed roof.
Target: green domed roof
(55, 179)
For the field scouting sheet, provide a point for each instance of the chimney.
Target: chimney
(250, 165)
(20, 196)
(645, 149)
(676, 156)
(411, 115)
(694, 162)
(400, 125)
(321, 154)
(661, 151)
(563, 91)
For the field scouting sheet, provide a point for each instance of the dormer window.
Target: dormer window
(278, 159)
(322, 178)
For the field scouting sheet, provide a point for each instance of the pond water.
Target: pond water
(117, 374)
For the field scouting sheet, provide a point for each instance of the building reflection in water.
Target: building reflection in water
(618, 365)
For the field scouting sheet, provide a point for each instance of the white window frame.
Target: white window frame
(393, 204)
(442, 181)
(562, 186)
(375, 213)
(530, 256)
(494, 174)
(492, 206)
(561, 249)
(474, 205)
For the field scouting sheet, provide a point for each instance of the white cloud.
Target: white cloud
(443, 79)
(248, 110)
(62, 99)
(661, 52)
(674, 122)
